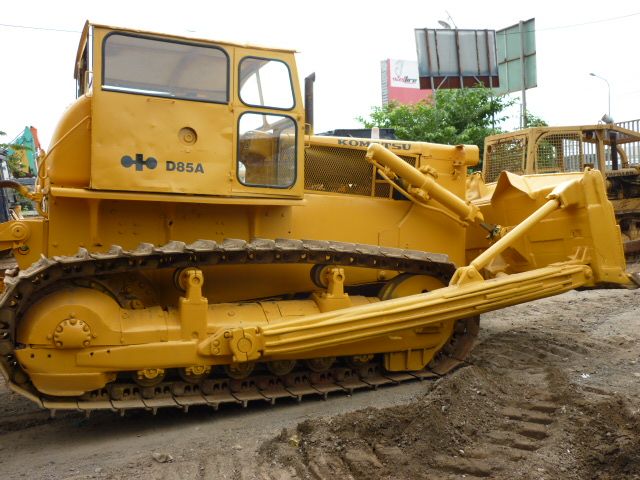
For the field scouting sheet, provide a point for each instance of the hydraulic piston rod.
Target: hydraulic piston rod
(425, 184)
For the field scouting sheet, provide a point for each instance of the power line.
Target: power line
(28, 27)
(611, 19)
(563, 27)
(559, 27)
(573, 25)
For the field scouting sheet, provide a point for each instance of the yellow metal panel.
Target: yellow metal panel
(142, 127)
(68, 161)
(171, 198)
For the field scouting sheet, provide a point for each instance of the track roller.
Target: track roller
(319, 365)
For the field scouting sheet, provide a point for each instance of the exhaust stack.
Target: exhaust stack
(308, 103)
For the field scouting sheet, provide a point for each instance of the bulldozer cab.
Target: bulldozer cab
(180, 115)
(560, 149)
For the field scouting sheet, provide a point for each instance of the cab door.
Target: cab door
(269, 122)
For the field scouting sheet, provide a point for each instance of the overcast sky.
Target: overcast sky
(342, 41)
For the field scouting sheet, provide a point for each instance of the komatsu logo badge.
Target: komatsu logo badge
(139, 162)
(151, 163)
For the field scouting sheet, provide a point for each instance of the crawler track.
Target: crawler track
(23, 287)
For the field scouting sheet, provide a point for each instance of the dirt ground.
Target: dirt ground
(552, 391)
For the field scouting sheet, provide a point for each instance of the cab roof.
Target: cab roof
(624, 135)
(88, 25)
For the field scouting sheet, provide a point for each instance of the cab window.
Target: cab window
(164, 68)
(266, 83)
(266, 150)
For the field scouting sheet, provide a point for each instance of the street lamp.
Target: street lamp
(608, 87)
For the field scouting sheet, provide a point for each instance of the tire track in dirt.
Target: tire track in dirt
(471, 425)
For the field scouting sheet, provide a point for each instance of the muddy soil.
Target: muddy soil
(552, 391)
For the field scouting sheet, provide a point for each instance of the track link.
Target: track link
(22, 287)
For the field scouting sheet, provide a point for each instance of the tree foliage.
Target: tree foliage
(12, 158)
(451, 117)
(535, 121)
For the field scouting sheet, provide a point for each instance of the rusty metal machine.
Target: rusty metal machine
(613, 149)
(197, 244)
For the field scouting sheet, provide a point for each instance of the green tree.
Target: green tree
(535, 121)
(12, 159)
(450, 116)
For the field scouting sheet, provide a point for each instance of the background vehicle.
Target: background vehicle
(21, 153)
(611, 148)
(196, 246)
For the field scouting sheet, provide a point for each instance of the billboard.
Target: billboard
(456, 58)
(516, 46)
(400, 82)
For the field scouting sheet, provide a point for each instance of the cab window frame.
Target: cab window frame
(295, 152)
(172, 41)
(83, 70)
(270, 107)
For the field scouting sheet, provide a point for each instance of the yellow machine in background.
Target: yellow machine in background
(197, 246)
(608, 147)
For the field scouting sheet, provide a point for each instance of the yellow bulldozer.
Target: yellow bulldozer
(198, 245)
(612, 149)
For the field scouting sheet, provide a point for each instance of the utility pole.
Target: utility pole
(523, 119)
